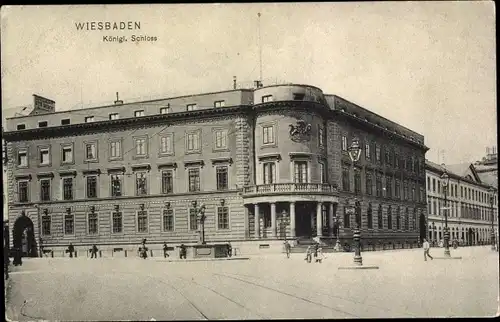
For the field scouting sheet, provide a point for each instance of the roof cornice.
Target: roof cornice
(82, 128)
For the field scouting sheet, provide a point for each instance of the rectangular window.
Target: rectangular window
(191, 107)
(141, 184)
(433, 185)
(167, 181)
(367, 151)
(21, 126)
(69, 224)
(193, 219)
(140, 147)
(115, 149)
(139, 113)
(114, 116)
(267, 98)
(116, 186)
(300, 172)
(388, 186)
(321, 137)
(90, 151)
(378, 185)
(92, 187)
(45, 190)
(222, 178)
(65, 122)
(369, 184)
(268, 134)
(377, 153)
(221, 139)
(322, 173)
(219, 103)
(222, 217)
(397, 189)
(67, 188)
(346, 186)
(142, 221)
(92, 223)
(166, 144)
(44, 156)
(344, 143)
(165, 109)
(42, 124)
(22, 158)
(194, 179)
(357, 181)
(193, 141)
(168, 220)
(89, 119)
(22, 190)
(269, 172)
(67, 154)
(347, 219)
(117, 222)
(46, 225)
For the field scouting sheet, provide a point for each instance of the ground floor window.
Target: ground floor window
(222, 217)
(193, 219)
(117, 222)
(168, 220)
(69, 224)
(142, 221)
(347, 219)
(92, 223)
(46, 223)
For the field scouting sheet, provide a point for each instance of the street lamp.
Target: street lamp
(492, 198)
(354, 153)
(337, 227)
(446, 181)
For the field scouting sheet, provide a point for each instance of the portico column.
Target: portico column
(319, 220)
(256, 220)
(273, 219)
(330, 219)
(292, 219)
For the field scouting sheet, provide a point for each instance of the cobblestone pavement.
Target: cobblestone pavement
(264, 287)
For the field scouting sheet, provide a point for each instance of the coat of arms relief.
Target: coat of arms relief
(300, 132)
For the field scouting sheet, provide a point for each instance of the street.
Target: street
(264, 287)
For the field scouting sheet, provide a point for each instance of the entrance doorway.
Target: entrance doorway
(304, 211)
(422, 226)
(23, 236)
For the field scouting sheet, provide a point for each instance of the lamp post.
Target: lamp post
(337, 227)
(354, 153)
(446, 180)
(492, 198)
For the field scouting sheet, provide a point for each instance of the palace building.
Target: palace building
(267, 163)
(470, 204)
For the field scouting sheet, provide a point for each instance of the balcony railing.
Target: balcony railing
(290, 187)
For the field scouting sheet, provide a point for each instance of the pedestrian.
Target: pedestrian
(71, 249)
(229, 249)
(165, 250)
(93, 252)
(427, 247)
(320, 255)
(308, 254)
(287, 249)
(143, 251)
(182, 251)
(17, 257)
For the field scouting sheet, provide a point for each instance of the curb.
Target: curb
(201, 259)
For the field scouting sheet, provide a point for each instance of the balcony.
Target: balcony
(277, 188)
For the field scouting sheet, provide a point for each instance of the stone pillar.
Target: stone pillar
(256, 221)
(292, 219)
(330, 219)
(246, 221)
(319, 220)
(273, 220)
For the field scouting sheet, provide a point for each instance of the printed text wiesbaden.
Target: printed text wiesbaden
(108, 25)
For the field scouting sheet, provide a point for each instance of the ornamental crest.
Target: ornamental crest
(301, 131)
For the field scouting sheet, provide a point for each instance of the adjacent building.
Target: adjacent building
(267, 163)
(469, 203)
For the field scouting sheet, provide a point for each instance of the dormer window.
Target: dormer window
(21, 126)
(139, 113)
(165, 109)
(89, 119)
(114, 116)
(191, 107)
(298, 96)
(219, 103)
(267, 98)
(42, 124)
(65, 122)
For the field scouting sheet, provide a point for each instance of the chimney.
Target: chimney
(118, 101)
(234, 82)
(257, 84)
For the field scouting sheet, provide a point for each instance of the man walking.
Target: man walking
(165, 250)
(427, 247)
(93, 252)
(71, 250)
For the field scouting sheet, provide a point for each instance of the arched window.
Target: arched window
(380, 218)
(369, 216)
(389, 218)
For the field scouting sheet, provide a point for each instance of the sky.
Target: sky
(429, 66)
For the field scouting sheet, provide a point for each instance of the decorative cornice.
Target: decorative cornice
(194, 163)
(91, 171)
(63, 173)
(221, 161)
(23, 176)
(271, 156)
(45, 175)
(170, 165)
(300, 155)
(117, 170)
(110, 125)
(139, 167)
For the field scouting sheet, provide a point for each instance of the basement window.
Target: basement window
(65, 122)
(42, 124)
(298, 96)
(21, 126)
